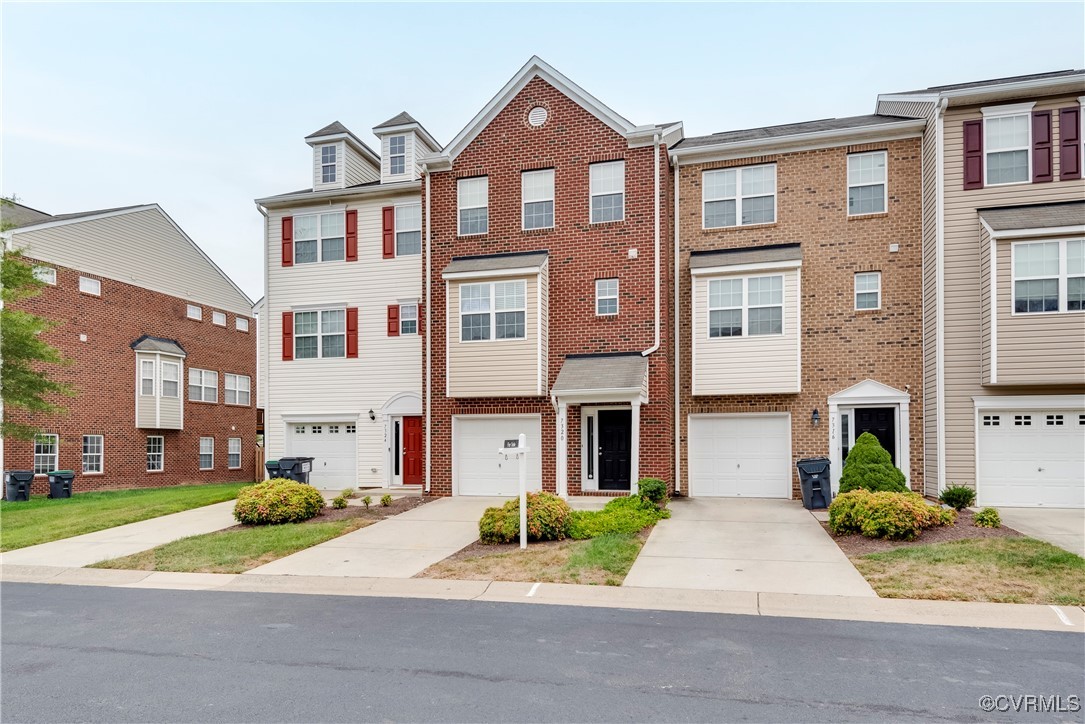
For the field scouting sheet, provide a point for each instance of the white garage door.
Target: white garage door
(334, 445)
(478, 469)
(740, 456)
(1032, 458)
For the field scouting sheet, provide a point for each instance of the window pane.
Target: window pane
(867, 282)
(475, 298)
(408, 326)
(866, 168)
(607, 178)
(475, 327)
(537, 185)
(725, 323)
(866, 199)
(720, 213)
(305, 252)
(408, 242)
(509, 295)
(332, 249)
(766, 290)
(1037, 295)
(327, 154)
(724, 293)
(539, 215)
(767, 320)
(719, 184)
(758, 180)
(1036, 260)
(510, 325)
(606, 305)
(1007, 132)
(409, 218)
(305, 323)
(1075, 294)
(1007, 167)
(397, 144)
(474, 221)
(606, 287)
(1075, 257)
(327, 174)
(305, 227)
(866, 300)
(472, 192)
(607, 208)
(759, 210)
(334, 320)
(305, 347)
(398, 165)
(333, 345)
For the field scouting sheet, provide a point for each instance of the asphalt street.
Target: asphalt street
(124, 655)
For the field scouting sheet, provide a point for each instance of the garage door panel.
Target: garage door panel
(1031, 458)
(334, 449)
(740, 456)
(478, 469)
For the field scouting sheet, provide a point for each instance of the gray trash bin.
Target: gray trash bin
(296, 468)
(60, 483)
(273, 470)
(816, 483)
(17, 485)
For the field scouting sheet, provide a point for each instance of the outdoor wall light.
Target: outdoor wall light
(372, 416)
(815, 417)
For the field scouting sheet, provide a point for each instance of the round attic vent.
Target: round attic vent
(537, 116)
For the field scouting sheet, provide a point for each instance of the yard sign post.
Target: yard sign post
(518, 448)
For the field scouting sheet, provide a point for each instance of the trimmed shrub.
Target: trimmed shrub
(622, 515)
(869, 467)
(277, 501)
(386, 500)
(367, 501)
(897, 516)
(652, 489)
(547, 518)
(958, 497)
(339, 502)
(347, 493)
(987, 518)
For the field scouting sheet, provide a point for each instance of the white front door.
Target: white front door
(478, 468)
(1033, 458)
(744, 456)
(333, 447)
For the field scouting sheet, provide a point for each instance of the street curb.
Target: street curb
(1030, 617)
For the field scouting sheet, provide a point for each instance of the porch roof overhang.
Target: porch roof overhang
(1056, 219)
(772, 256)
(511, 264)
(606, 377)
(159, 345)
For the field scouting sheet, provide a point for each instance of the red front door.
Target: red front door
(412, 450)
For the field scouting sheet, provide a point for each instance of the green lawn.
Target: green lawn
(236, 550)
(42, 519)
(1002, 570)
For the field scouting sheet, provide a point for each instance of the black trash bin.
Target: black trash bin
(17, 485)
(273, 469)
(816, 483)
(296, 468)
(60, 483)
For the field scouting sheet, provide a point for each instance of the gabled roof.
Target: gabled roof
(792, 129)
(147, 343)
(335, 131)
(403, 118)
(13, 215)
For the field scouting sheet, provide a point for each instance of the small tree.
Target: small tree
(870, 467)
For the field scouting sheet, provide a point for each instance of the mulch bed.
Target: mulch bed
(375, 512)
(478, 549)
(857, 545)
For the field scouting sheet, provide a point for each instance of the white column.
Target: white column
(835, 463)
(634, 447)
(563, 450)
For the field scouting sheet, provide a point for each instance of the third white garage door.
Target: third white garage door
(1033, 458)
(478, 469)
(742, 456)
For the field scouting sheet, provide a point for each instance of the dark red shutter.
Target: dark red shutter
(352, 236)
(352, 332)
(1042, 159)
(288, 241)
(388, 231)
(973, 155)
(393, 320)
(288, 336)
(1070, 143)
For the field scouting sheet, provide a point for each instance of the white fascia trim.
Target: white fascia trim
(912, 128)
(351, 139)
(296, 417)
(303, 210)
(739, 268)
(962, 95)
(403, 128)
(1014, 109)
(370, 190)
(617, 394)
(1027, 233)
(79, 219)
(1029, 402)
(494, 273)
(317, 307)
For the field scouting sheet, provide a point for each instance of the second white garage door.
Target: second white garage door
(1031, 458)
(741, 456)
(477, 468)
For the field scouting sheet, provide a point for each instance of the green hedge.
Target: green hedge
(547, 517)
(870, 467)
(898, 516)
(277, 501)
(621, 515)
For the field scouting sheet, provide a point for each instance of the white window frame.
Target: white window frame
(143, 378)
(393, 156)
(100, 455)
(524, 200)
(219, 318)
(493, 311)
(199, 459)
(93, 287)
(884, 183)
(204, 380)
(592, 192)
(241, 324)
(233, 385)
(325, 164)
(163, 380)
(739, 197)
(397, 229)
(320, 238)
(54, 445)
(1000, 112)
(230, 453)
(460, 207)
(160, 453)
(746, 306)
(46, 275)
(194, 312)
(878, 291)
(320, 332)
(599, 296)
(403, 312)
(1062, 277)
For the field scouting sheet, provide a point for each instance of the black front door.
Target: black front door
(881, 423)
(615, 435)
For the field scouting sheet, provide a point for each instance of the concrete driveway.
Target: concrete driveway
(745, 544)
(1063, 527)
(397, 547)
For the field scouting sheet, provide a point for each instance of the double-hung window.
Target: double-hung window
(146, 377)
(607, 190)
(408, 319)
(170, 373)
(867, 183)
(320, 334)
(606, 297)
(93, 449)
(493, 310)
(327, 164)
(868, 290)
(397, 155)
(233, 453)
(193, 311)
(409, 229)
(537, 195)
(1049, 276)
(472, 199)
(238, 389)
(156, 446)
(203, 385)
(46, 453)
(1007, 140)
(746, 307)
(739, 196)
(319, 237)
(207, 453)
(46, 275)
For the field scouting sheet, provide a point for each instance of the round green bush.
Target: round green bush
(987, 518)
(339, 502)
(547, 517)
(277, 501)
(652, 489)
(897, 516)
(871, 468)
(958, 497)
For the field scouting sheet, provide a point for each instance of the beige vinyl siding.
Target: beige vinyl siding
(343, 388)
(746, 365)
(155, 411)
(358, 169)
(339, 164)
(142, 248)
(930, 296)
(146, 405)
(493, 368)
(963, 284)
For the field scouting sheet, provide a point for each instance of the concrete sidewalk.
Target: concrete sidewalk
(745, 544)
(397, 547)
(124, 540)
(1063, 527)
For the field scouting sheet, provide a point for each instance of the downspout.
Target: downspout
(940, 314)
(429, 340)
(677, 344)
(655, 344)
(263, 325)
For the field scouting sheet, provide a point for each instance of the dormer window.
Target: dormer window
(397, 155)
(327, 164)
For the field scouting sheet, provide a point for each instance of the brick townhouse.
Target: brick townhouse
(162, 350)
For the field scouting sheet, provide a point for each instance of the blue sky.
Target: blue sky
(203, 107)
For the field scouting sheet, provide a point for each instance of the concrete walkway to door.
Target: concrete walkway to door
(396, 547)
(745, 544)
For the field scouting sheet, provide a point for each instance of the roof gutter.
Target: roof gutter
(655, 343)
(332, 194)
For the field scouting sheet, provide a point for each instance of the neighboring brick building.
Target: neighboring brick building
(163, 353)
(549, 243)
(800, 296)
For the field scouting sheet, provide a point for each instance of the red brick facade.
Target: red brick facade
(579, 253)
(103, 374)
